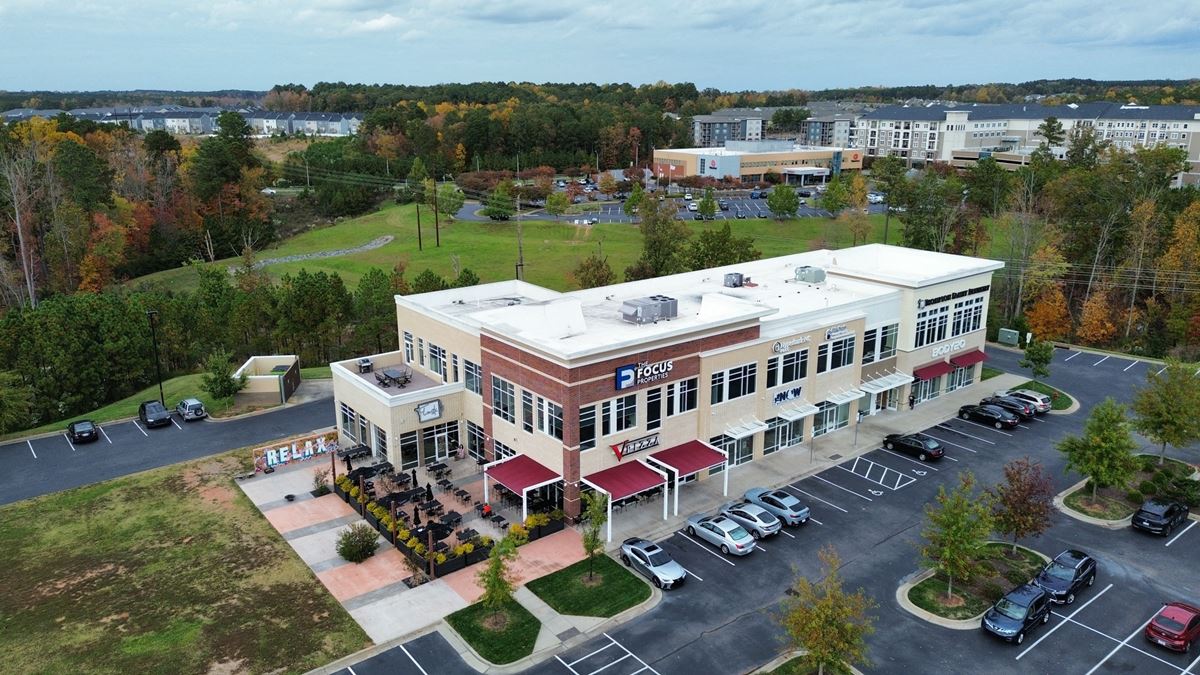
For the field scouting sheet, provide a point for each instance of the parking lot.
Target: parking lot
(36, 466)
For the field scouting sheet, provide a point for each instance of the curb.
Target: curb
(788, 656)
(1060, 504)
(954, 624)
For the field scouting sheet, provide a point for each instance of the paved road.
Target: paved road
(44, 465)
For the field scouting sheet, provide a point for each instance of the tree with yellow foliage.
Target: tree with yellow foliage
(1048, 317)
(1095, 322)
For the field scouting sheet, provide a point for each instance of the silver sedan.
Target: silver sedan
(721, 532)
(652, 562)
(760, 522)
(782, 505)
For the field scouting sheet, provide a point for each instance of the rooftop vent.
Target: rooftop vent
(734, 280)
(649, 310)
(810, 275)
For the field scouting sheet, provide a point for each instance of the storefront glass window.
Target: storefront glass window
(409, 450)
(475, 441)
(654, 408)
(471, 374)
(349, 427)
(587, 427)
(781, 434)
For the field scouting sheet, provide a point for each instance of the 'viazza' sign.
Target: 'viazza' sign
(635, 445)
(643, 373)
(295, 450)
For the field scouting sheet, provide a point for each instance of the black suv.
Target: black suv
(1066, 575)
(83, 431)
(1015, 406)
(153, 414)
(1017, 613)
(1160, 516)
(920, 446)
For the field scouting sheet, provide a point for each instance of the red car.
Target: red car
(1176, 626)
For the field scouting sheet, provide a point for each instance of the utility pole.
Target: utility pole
(307, 182)
(420, 247)
(152, 315)
(437, 227)
(520, 244)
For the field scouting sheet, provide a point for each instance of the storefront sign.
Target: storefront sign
(429, 411)
(297, 450)
(784, 346)
(925, 302)
(948, 348)
(787, 395)
(643, 373)
(836, 331)
(635, 445)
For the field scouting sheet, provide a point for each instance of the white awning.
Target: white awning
(746, 428)
(799, 411)
(886, 382)
(844, 397)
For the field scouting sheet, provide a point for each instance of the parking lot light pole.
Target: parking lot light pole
(152, 315)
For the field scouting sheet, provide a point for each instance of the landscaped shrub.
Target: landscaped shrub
(1146, 488)
(1183, 490)
(357, 542)
(536, 520)
(1135, 497)
(1015, 576)
(992, 591)
(321, 482)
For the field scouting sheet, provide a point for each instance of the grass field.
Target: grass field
(552, 248)
(174, 389)
(168, 571)
(613, 589)
(316, 373)
(513, 641)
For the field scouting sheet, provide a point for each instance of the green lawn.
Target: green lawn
(793, 666)
(999, 571)
(570, 591)
(990, 372)
(552, 248)
(174, 390)
(1058, 400)
(171, 570)
(514, 641)
(316, 373)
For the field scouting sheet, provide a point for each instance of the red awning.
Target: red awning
(968, 358)
(690, 457)
(625, 480)
(928, 372)
(521, 473)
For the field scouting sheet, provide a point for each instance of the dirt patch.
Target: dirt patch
(951, 601)
(227, 667)
(74, 580)
(592, 581)
(495, 622)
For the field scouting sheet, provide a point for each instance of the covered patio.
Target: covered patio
(520, 474)
(689, 459)
(624, 481)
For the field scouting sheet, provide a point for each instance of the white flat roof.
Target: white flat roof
(586, 323)
(726, 152)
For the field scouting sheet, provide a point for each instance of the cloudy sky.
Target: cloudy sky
(729, 44)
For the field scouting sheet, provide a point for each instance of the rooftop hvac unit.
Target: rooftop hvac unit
(810, 275)
(649, 310)
(733, 280)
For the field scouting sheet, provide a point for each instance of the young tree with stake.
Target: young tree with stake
(1023, 503)
(957, 525)
(830, 624)
(596, 511)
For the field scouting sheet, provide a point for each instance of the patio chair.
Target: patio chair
(383, 380)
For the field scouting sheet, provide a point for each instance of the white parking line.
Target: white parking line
(951, 458)
(176, 424)
(1192, 666)
(645, 666)
(351, 670)
(789, 534)
(1072, 356)
(901, 479)
(30, 443)
(1060, 624)
(1101, 361)
(410, 658)
(105, 434)
(817, 498)
(953, 443)
(908, 459)
(691, 573)
(1022, 426)
(706, 550)
(139, 428)
(759, 546)
(73, 450)
(816, 521)
(1160, 371)
(844, 489)
(943, 426)
(1183, 532)
(1122, 643)
(984, 426)
(1131, 365)
(1128, 646)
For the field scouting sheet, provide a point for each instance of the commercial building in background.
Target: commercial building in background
(634, 385)
(962, 134)
(750, 160)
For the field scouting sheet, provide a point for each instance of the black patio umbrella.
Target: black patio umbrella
(428, 492)
(348, 466)
(416, 515)
(414, 477)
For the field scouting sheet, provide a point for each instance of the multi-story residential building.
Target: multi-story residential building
(750, 160)
(961, 134)
(182, 120)
(710, 131)
(687, 375)
(828, 130)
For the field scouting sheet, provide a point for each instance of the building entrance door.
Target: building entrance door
(440, 441)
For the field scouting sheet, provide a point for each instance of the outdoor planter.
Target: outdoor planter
(337, 489)
(548, 529)
(478, 555)
(451, 565)
(359, 506)
(371, 519)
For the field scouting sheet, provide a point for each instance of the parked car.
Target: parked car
(783, 505)
(723, 205)
(755, 194)
(721, 532)
(804, 193)
(920, 446)
(652, 562)
(874, 198)
(83, 431)
(989, 414)
(1017, 613)
(760, 522)
(1067, 575)
(762, 214)
(1041, 402)
(741, 215)
(153, 414)
(687, 196)
(1176, 626)
(693, 206)
(191, 409)
(802, 201)
(1016, 406)
(268, 191)
(1160, 516)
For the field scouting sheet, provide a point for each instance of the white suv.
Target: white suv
(1039, 401)
(191, 409)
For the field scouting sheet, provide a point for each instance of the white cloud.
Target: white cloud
(376, 24)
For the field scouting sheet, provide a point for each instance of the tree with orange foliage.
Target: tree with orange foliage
(1048, 317)
(1095, 322)
(106, 250)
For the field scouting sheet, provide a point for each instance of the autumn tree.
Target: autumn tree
(1095, 321)
(828, 623)
(856, 192)
(1143, 235)
(1104, 452)
(1023, 503)
(1158, 407)
(887, 174)
(1048, 317)
(857, 224)
(957, 525)
(1038, 355)
(608, 184)
(1181, 260)
(593, 272)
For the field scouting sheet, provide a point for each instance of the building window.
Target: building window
(968, 316)
(830, 417)
(504, 400)
(870, 344)
(682, 396)
(474, 379)
(734, 383)
(527, 411)
(421, 351)
(931, 325)
(409, 450)
(654, 408)
(502, 451)
(550, 418)
(454, 367)
(475, 442)
(349, 419)
(836, 354)
(408, 347)
(787, 368)
(781, 434)
(587, 427)
(437, 360)
(887, 341)
(620, 414)
(381, 440)
(739, 451)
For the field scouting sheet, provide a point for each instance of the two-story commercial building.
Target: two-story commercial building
(626, 387)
